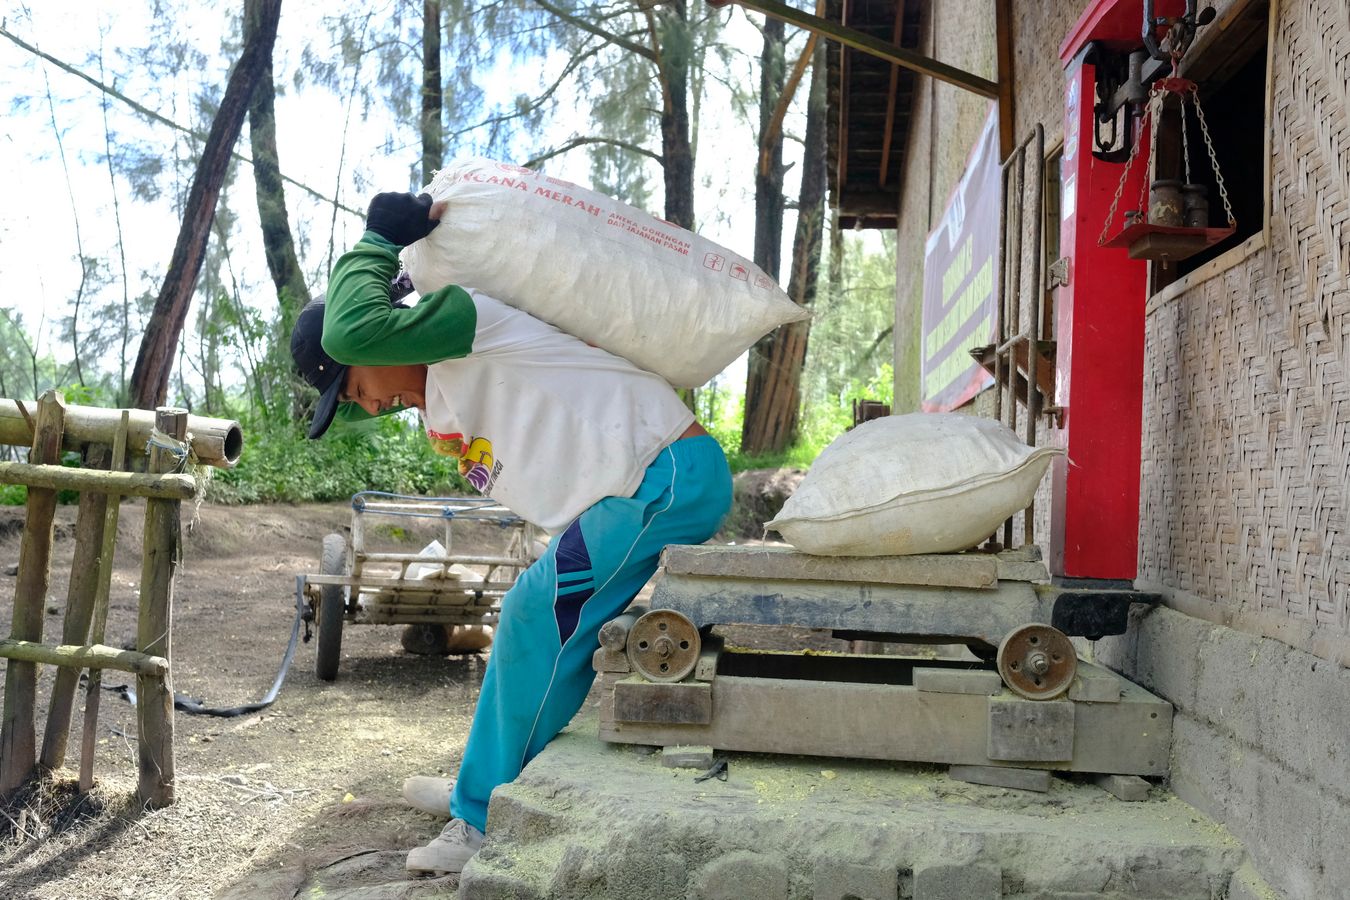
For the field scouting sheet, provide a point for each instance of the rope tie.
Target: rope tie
(179, 450)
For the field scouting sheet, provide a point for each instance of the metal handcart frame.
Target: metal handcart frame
(358, 586)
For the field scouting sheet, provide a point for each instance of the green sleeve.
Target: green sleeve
(361, 328)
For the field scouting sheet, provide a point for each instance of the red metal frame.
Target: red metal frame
(1099, 333)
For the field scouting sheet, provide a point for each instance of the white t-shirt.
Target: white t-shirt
(544, 423)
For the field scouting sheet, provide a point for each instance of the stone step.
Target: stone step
(595, 821)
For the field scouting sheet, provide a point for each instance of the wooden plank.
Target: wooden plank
(871, 721)
(1004, 776)
(786, 564)
(920, 610)
(73, 657)
(99, 625)
(84, 575)
(1030, 730)
(687, 757)
(154, 625)
(606, 660)
(673, 703)
(957, 681)
(886, 130)
(448, 615)
(1093, 684)
(63, 478)
(18, 732)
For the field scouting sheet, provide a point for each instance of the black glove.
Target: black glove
(400, 218)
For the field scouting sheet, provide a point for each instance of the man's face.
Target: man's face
(380, 389)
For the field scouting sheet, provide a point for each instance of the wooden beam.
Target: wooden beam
(1004, 43)
(845, 97)
(154, 625)
(864, 42)
(84, 575)
(63, 478)
(18, 732)
(99, 627)
(897, 32)
(80, 656)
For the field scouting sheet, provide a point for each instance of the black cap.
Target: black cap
(316, 366)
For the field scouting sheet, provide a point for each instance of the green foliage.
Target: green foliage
(851, 329)
(281, 465)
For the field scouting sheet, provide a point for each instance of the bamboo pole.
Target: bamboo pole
(84, 570)
(88, 737)
(215, 442)
(168, 487)
(73, 657)
(18, 732)
(154, 707)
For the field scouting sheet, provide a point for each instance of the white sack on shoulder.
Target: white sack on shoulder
(663, 298)
(919, 483)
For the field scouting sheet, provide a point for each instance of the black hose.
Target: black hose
(189, 705)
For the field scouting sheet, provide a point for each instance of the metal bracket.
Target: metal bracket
(1058, 273)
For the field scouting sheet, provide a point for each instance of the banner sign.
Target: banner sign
(959, 269)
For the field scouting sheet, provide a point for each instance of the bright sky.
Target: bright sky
(60, 202)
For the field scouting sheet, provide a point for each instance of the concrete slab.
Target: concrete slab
(592, 820)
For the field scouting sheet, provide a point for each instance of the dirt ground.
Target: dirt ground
(265, 802)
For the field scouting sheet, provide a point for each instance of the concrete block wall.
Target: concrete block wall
(1260, 741)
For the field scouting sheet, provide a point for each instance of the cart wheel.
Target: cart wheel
(332, 608)
(426, 640)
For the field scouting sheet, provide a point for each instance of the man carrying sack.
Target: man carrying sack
(599, 453)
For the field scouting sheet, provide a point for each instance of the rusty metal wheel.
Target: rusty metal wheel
(663, 645)
(1037, 661)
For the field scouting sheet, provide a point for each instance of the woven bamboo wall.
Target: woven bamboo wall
(1246, 474)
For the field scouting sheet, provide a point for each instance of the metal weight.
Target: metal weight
(1037, 661)
(663, 645)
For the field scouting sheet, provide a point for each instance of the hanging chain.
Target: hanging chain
(1185, 141)
(1124, 176)
(1213, 160)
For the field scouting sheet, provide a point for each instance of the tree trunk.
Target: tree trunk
(676, 152)
(433, 149)
(154, 362)
(282, 260)
(769, 201)
(773, 389)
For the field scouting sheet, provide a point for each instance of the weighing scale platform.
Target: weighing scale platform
(667, 679)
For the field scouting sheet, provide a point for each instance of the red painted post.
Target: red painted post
(1099, 333)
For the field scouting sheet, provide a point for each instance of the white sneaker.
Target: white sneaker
(429, 794)
(447, 854)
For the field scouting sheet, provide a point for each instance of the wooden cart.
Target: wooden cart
(427, 592)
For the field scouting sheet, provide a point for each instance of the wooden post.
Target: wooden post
(84, 575)
(18, 735)
(154, 707)
(88, 739)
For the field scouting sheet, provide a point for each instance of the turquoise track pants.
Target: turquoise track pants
(540, 668)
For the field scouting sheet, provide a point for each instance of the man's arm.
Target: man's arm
(361, 327)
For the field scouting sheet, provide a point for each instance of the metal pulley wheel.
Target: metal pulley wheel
(1037, 661)
(663, 645)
